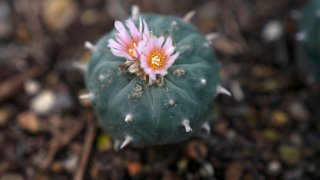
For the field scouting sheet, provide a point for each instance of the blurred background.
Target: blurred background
(269, 129)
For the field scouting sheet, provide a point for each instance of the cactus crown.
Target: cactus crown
(155, 82)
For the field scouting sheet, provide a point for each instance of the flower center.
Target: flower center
(156, 60)
(131, 49)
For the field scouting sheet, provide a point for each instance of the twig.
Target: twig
(61, 141)
(11, 86)
(90, 136)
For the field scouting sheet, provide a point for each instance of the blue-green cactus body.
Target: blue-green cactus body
(153, 114)
(310, 28)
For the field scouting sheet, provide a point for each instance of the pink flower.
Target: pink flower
(126, 44)
(157, 55)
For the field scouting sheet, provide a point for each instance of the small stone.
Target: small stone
(182, 165)
(207, 170)
(4, 115)
(234, 170)
(57, 167)
(279, 118)
(274, 167)
(29, 121)
(31, 87)
(289, 154)
(134, 168)
(59, 14)
(237, 91)
(197, 150)
(272, 31)
(231, 134)
(89, 17)
(104, 142)
(220, 128)
(271, 135)
(71, 163)
(296, 139)
(270, 85)
(43, 103)
(298, 111)
(63, 101)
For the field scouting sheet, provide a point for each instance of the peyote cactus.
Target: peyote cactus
(310, 36)
(155, 83)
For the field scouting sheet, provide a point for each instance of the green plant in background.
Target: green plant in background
(309, 25)
(155, 83)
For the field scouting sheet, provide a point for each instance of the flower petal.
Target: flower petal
(168, 44)
(123, 34)
(160, 41)
(134, 31)
(113, 44)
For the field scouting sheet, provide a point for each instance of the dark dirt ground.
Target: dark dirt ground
(269, 129)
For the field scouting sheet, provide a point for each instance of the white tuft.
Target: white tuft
(212, 36)
(171, 102)
(135, 12)
(186, 124)
(173, 23)
(87, 96)
(128, 118)
(89, 46)
(127, 140)
(116, 145)
(203, 81)
(222, 90)
(81, 66)
(189, 16)
(101, 77)
(206, 127)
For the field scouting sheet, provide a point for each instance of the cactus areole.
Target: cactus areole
(309, 25)
(153, 80)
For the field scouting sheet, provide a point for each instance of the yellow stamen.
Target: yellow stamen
(156, 60)
(131, 49)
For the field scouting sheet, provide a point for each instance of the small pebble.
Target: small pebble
(298, 111)
(207, 170)
(296, 139)
(4, 115)
(272, 31)
(59, 14)
(182, 165)
(279, 118)
(104, 142)
(134, 168)
(237, 91)
(274, 167)
(231, 134)
(43, 102)
(71, 163)
(89, 17)
(31, 87)
(289, 154)
(29, 121)
(63, 101)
